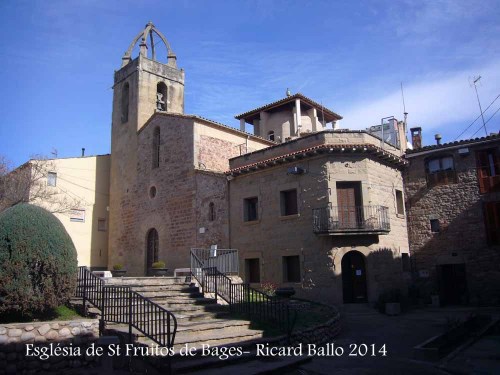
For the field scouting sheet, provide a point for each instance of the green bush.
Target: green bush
(118, 267)
(38, 262)
(159, 264)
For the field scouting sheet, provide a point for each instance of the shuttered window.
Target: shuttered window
(488, 170)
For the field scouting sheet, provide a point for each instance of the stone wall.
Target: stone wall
(274, 236)
(15, 336)
(462, 236)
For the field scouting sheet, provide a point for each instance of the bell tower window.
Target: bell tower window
(156, 148)
(161, 96)
(125, 102)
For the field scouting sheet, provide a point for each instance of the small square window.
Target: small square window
(291, 269)
(288, 200)
(101, 225)
(251, 209)
(400, 205)
(435, 228)
(52, 179)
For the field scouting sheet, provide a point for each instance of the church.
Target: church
(306, 205)
(301, 200)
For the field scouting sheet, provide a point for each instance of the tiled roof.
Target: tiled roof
(456, 143)
(289, 99)
(319, 149)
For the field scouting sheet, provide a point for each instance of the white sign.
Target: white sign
(77, 215)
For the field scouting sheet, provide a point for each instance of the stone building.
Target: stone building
(322, 213)
(453, 205)
(168, 189)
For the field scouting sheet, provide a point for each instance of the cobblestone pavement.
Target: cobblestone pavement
(399, 334)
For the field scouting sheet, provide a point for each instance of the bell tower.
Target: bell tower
(142, 86)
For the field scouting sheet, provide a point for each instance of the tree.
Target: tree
(28, 184)
(38, 261)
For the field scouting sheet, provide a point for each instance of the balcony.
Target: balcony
(351, 220)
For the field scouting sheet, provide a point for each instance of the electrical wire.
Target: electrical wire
(494, 113)
(477, 118)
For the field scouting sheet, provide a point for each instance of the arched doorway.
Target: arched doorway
(354, 278)
(151, 249)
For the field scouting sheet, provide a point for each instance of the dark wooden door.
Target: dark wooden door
(354, 278)
(348, 202)
(452, 284)
(151, 249)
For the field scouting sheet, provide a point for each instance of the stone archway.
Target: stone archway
(354, 287)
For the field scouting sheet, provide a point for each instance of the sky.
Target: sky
(58, 59)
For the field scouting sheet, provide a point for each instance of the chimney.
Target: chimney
(83, 152)
(416, 137)
(438, 137)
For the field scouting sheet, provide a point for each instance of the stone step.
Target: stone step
(145, 280)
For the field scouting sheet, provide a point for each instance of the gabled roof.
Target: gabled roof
(327, 113)
(465, 142)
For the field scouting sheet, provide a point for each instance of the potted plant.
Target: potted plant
(269, 289)
(158, 269)
(118, 270)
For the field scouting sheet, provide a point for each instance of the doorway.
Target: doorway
(151, 249)
(354, 278)
(452, 283)
(350, 213)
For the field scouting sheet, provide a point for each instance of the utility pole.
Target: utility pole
(478, 102)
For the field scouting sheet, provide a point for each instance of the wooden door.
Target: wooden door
(354, 278)
(348, 202)
(151, 249)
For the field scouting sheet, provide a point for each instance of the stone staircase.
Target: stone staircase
(199, 320)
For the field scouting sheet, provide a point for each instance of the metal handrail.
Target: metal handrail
(351, 219)
(120, 304)
(242, 298)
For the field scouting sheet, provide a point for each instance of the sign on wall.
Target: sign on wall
(77, 215)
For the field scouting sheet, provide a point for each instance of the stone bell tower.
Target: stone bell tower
(142, 86)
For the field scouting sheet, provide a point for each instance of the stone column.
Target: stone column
(242, 124)
(298, 122)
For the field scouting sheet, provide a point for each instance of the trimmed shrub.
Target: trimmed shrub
(38, 262)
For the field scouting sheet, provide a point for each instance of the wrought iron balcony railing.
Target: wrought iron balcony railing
(351, 220)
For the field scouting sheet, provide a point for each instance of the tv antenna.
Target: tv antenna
(475, 80)
(404, 106)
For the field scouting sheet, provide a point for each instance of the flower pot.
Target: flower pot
(158, 271)
(393, 308)
(118, 273)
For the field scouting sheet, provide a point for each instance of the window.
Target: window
(400, 205)
(152, 192)
(435, 227)
(161, 96)
(211, 211)
(125, 102)
(251, 209)
(77, 215)
(440, 171)
(291, 269)
(288, 200)
(270, 135)
(252, 270)
(52, 179)
(492, 222)
(101, 225)
(156, 148)
(488, 170)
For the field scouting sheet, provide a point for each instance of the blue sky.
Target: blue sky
(58, 59)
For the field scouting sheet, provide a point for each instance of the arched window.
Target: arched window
(161, 96)
(125, 102)
(270, 135)
(152, 247)
(156, 148)
(211, 211)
